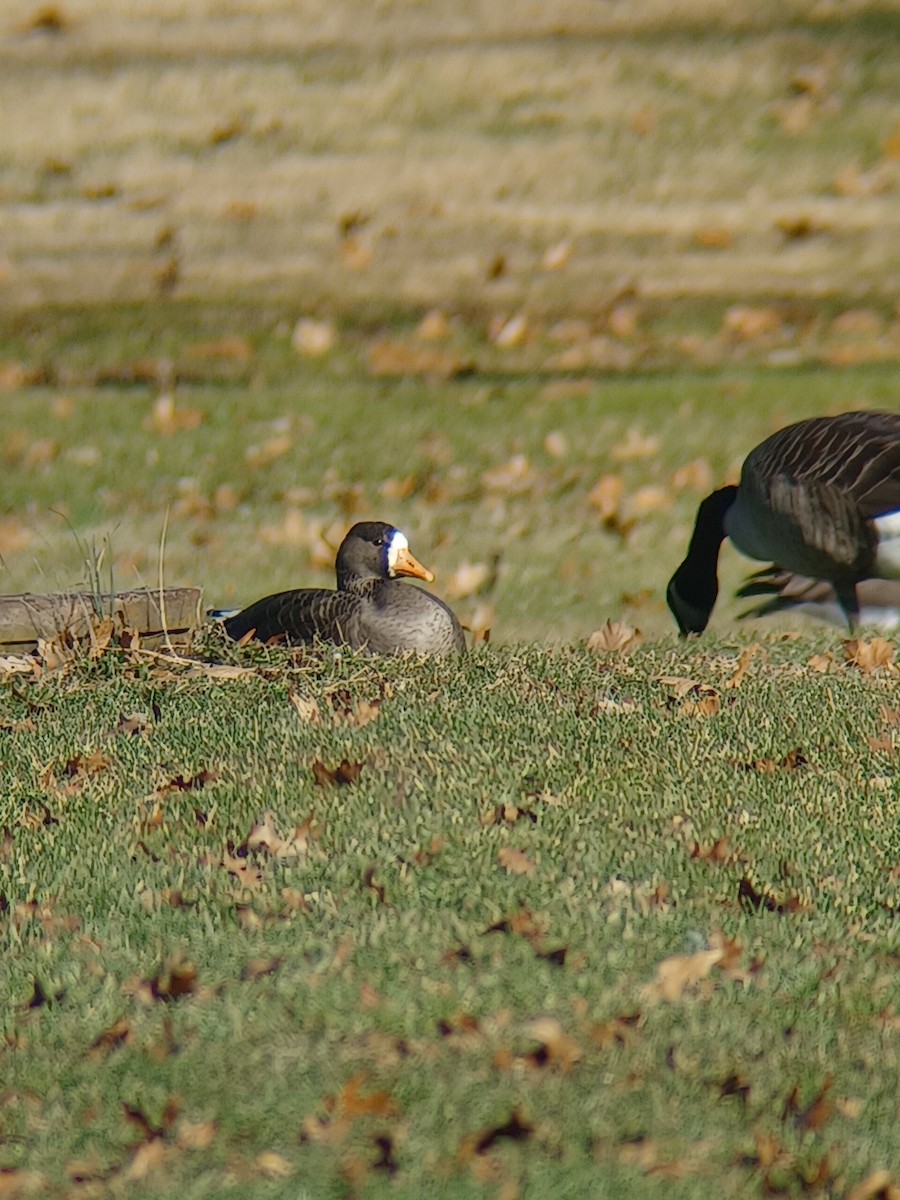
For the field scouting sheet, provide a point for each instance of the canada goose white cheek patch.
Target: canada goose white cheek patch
(887, 560)
(398, 543)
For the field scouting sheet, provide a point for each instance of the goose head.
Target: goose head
(694, 587)
(375, 550)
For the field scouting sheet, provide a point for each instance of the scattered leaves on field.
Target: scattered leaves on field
(344, 774)
(870, 657)
(754, 898)
(615, 637)
(264, 837)
(515, 1129)
(515, 862)
(792, 761)
(175, 979)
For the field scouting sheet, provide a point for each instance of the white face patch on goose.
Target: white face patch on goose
(887, 560)
(397, 543)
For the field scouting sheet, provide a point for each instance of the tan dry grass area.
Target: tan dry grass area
(386, 154)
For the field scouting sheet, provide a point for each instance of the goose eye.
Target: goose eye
(379, 541)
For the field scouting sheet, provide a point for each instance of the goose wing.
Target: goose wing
(299, 616)
(828, 479)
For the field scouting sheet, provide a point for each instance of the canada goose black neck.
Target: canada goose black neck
(694, 587)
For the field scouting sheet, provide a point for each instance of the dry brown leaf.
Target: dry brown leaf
(870, 657)
(166, 418)
(387, 358)
(558, 255)
(356, 252)
(264, 836)
(306, 708)
(195, 1135)
(147, 1158)
(821, 663)
(509, 333)
(343, 774)
(878, 1185)
(515, 862)
(751, 323)
(273, 1165)
(614, 637)
(681, 972)
(269, 451)
(606, 496)
(118, 1034)
(557, 1047)
(714, 237)
(695, 476)
(233, 348)
(466, 580)
(314, 339)
(746, 658)
(434, 327)
(635, 445)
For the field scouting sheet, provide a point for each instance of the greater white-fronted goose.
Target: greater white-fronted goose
(820, 498)
(371, 608)
(780, 591)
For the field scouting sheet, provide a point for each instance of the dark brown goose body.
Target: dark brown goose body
(820, 498)
(370, 610)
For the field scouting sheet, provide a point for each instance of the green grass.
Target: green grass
(392, 976)
(386, 1008)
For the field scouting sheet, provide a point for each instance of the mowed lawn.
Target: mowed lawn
(553, 920)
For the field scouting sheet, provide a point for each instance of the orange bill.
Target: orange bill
(407, 564)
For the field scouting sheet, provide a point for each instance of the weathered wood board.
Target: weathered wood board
(26, 618)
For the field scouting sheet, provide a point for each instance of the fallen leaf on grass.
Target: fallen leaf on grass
(749, 896)
(515, 1129)
(386, 359)
(265, 837)
(792, 761)
(234, 348)
(274, 1165)
(192, 783)
(166, 418)
(344, 773)
(816, 1114)
(615, 637)
(635, 445)
(743, 664)
(878, 1185)
(821, 663)
(118, 1034)
(870, 657)
(617, 1031)
(556, 1047)
(176, 978)
(515, 862)
(195, 1135)
(680, 973)
(257, 968)
(719, 853)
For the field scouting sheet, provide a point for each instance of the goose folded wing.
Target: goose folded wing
(297, 617)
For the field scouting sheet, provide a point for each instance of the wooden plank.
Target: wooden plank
(25, 618)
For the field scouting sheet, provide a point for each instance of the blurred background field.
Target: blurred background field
(526, 280)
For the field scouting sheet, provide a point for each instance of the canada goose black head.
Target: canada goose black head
(694, 587)
(376, 550)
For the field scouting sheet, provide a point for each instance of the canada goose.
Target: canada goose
(820, 498)
(371, 608)
(781, 591)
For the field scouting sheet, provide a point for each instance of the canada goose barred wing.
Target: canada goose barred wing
(299, 616)
(849, 460)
